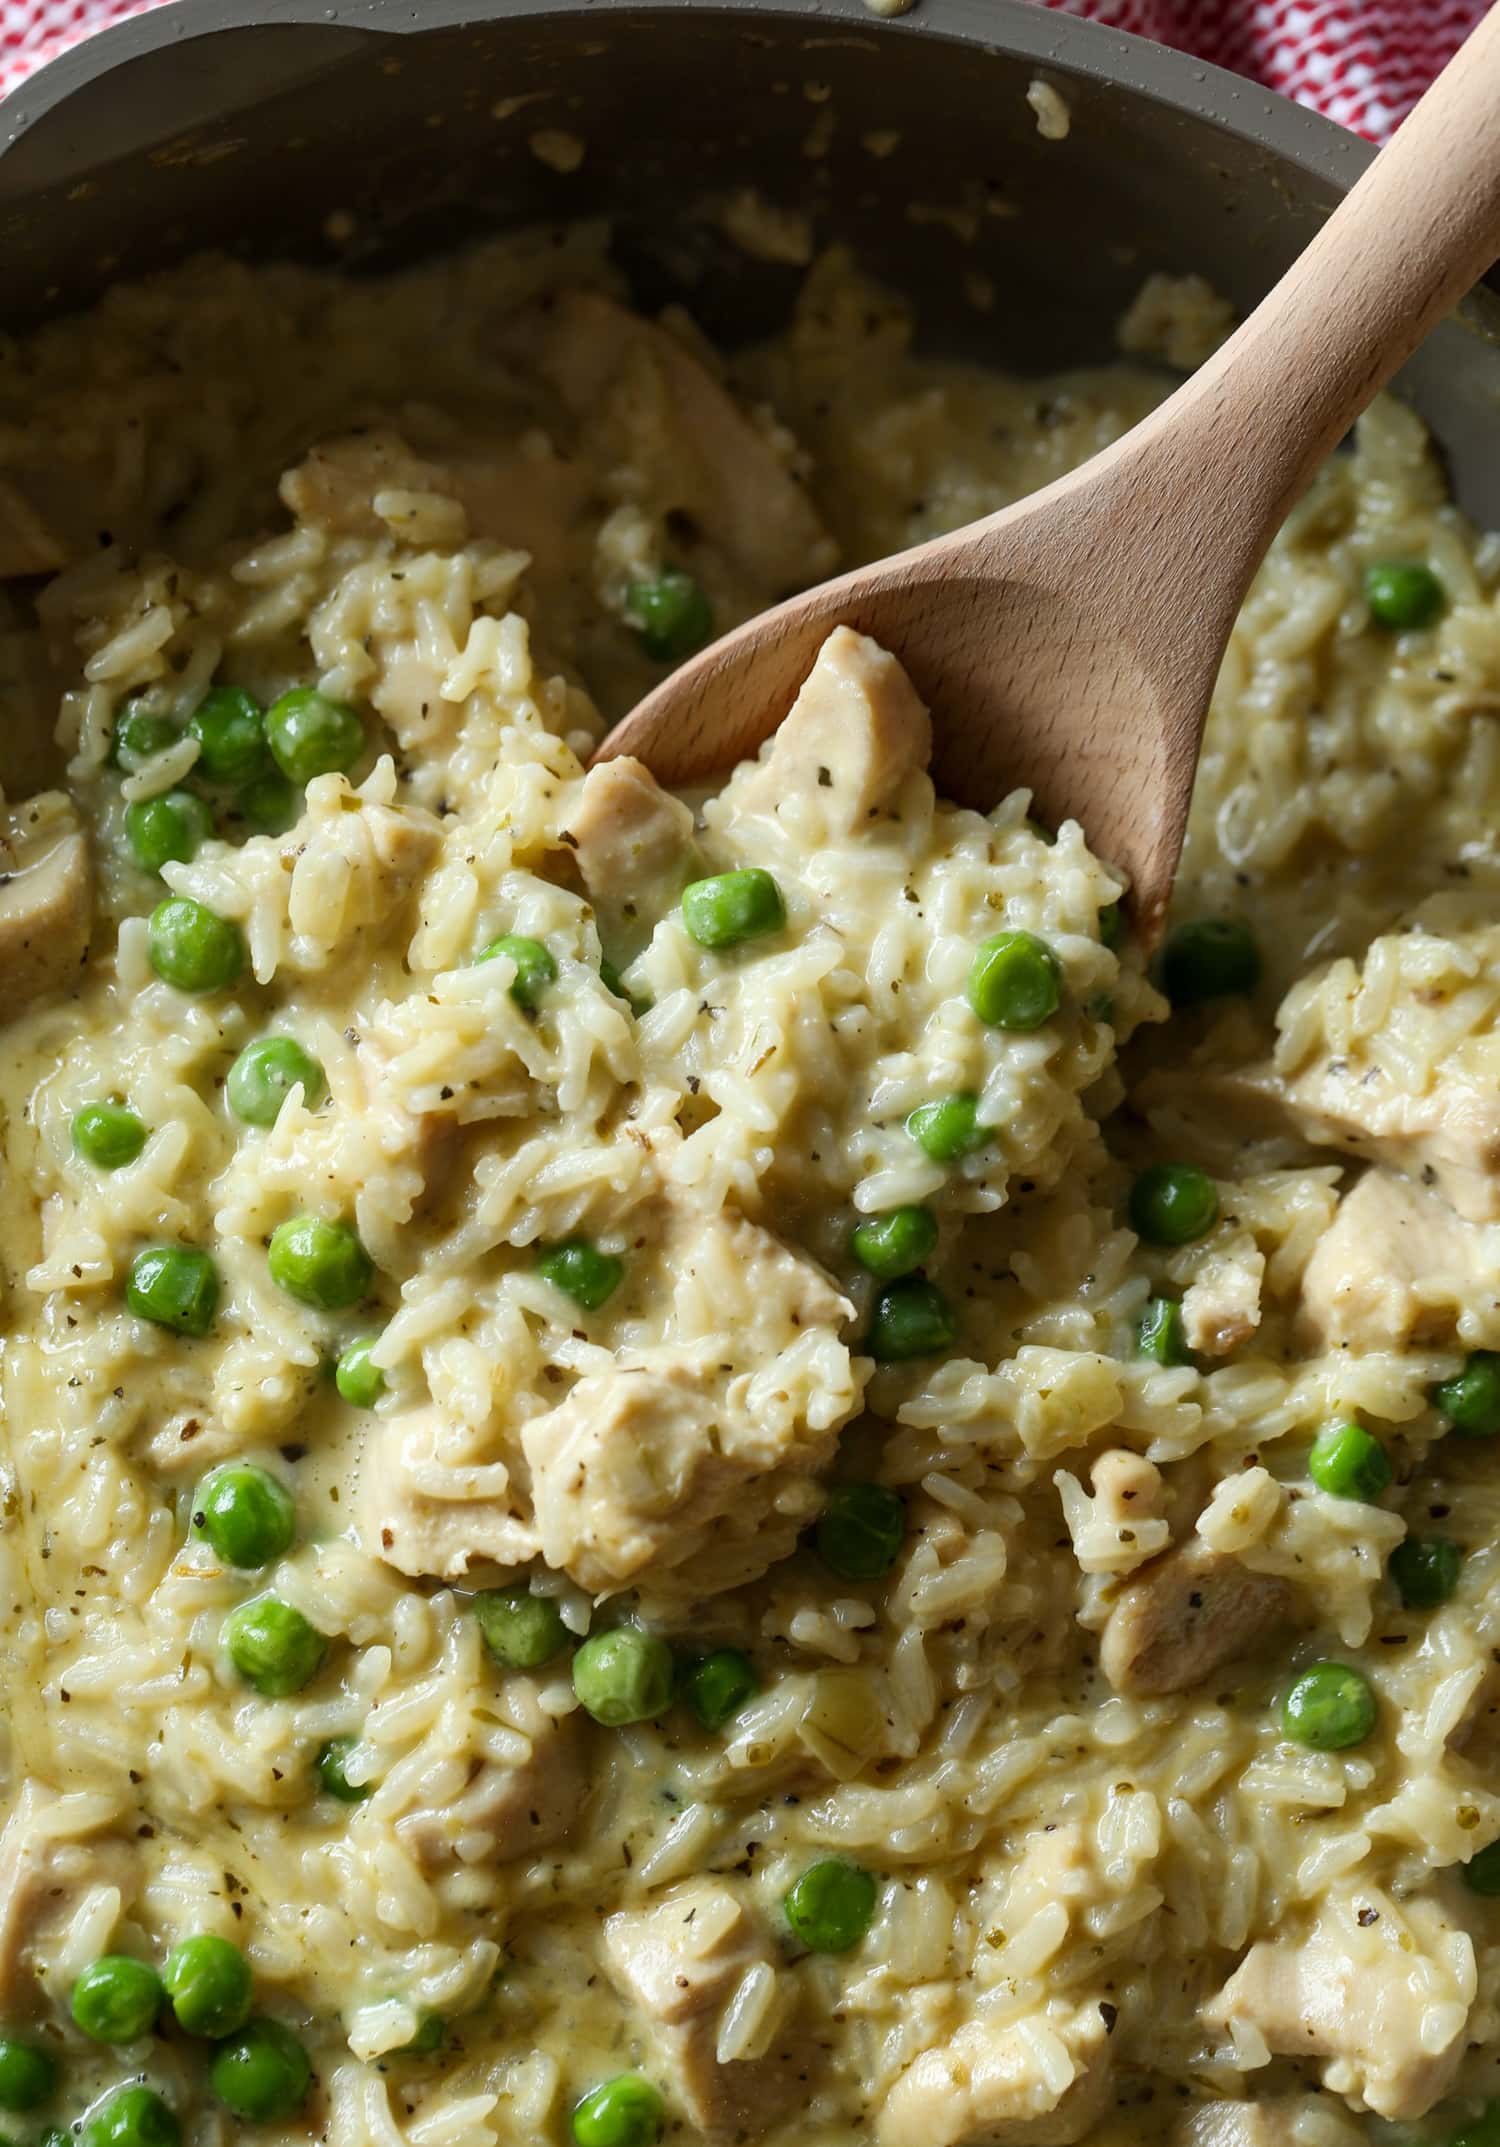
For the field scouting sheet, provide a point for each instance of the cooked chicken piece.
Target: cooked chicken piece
(851, 738)
(700, 455)
(1127, 1486)
(336, 484)
(523, 496)
(509, 1811)
(1122, 1525)
(1386, 2001)
(1267, 2124)
(633, 842)
(675, 1468)
(1183, 1615)
(425, 1506)
(51, 1852)
(1221, 1305)
(1395, 1267)
(640, 1463)
(998, 2086)
(679, 1963)
(1451, 1132)
(46, 900)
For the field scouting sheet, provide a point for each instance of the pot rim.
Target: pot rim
(1017, 29)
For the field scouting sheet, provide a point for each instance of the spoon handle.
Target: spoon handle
(1416, 232)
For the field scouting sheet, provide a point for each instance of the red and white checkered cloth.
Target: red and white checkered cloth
(1363, 62)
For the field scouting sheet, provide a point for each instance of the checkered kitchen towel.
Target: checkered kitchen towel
(1363, 62)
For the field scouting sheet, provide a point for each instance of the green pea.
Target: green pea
(1470, 1400)
(1173, 1203)
(193, 949)
(582, 1272)
(268, 805)
(116, 1999)
(671, 614)
(1330, 1707)
(910, 1318)
(246, 1514)
(133, 2116)
(139, 737)
(1349, 1462)
(174, 1286)
(230, 727)
(1160, 1333)
(732, 907)
(624, 2112)
(431, 2032)
(360, 1382)
(208, 1982)
(1482, 1871)
(264, 1075)
(625, 1675)
(535, 967)
(718, 1687)
(319, 1263)
(1425, 1570)
(273, 1647)
(860, 1531)
(262, 2074)
(521, 1630)
(331, 1768)
(309, 734)
(1404, 593)
(1209, 958)
(948, 1129)
(27, 2075)
(891, 1245)
(107, 1135)
(831, 1906)
(168, 829)
(1112, 926)
(613, 982)
(1015, 981)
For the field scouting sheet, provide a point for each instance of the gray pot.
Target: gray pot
(213, 123)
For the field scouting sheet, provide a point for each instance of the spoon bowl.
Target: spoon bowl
(1070, 643)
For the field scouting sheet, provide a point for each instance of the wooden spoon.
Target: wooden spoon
(1070, 642)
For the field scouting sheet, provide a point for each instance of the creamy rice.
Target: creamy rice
(1110, 1896)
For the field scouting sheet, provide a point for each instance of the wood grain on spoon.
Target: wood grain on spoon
(1070, 643)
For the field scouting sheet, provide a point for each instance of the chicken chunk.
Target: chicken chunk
(675, 1469)
(1183, 1615)
(1395, 1267)
(1122, 1525)
(337, 483)
(53, 1849)
(680, 1962)
(426, 1504)
(1385, 2000)
(46, 900)
(508, 1809)
(851, 738)
(515, 495)
(624, 377)
(1037, 2082)
(1221, 1306)
(1396, 1057)
(632, 840)
(1265, 2124)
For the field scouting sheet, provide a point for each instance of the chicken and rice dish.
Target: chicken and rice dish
(711, 1468)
